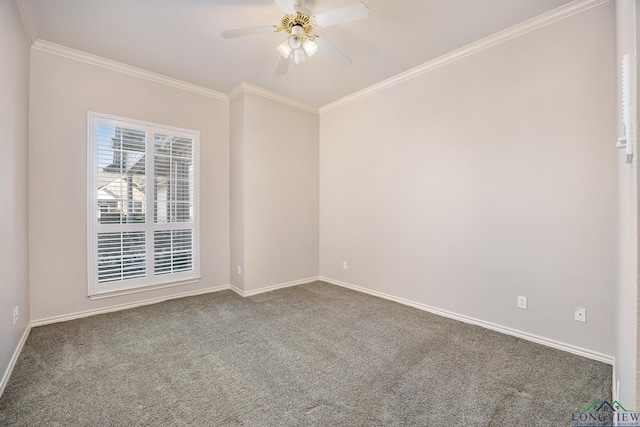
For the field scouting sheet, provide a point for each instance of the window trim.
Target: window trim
(150, 281)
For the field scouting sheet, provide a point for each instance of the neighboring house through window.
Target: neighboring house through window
(143, 211)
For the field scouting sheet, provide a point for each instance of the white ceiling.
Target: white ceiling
(181, 38)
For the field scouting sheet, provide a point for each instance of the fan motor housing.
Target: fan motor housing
(299, 19)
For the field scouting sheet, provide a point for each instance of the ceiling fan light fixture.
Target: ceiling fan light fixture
(284, 49)
(294, 41)
(310, 48)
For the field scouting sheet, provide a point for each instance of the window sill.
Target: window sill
(144, 289)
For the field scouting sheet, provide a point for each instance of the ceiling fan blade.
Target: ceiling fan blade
(286, 7)
(341, 15)
(241, 32)
(282, 66)
(331, 52)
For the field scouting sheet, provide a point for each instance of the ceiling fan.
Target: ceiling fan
(299, 23)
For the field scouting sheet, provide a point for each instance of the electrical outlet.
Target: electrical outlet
(16, 315)
(522, 302)
(344, 265)
(580, 314)
(239, 269)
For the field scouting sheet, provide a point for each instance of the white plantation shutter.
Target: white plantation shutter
(173, 204)
(142, 205)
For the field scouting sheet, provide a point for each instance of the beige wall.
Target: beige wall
(14, 127)
(627, 230)
(482, 180)
(62, 91)
(275, 167)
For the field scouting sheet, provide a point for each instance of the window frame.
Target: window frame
(150, 281)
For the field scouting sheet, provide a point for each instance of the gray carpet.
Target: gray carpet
(314, 354)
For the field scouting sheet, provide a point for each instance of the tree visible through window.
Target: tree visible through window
(142, 204)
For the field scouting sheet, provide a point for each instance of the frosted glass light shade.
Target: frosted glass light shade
(285, 49)
(299, 56)
(310, 47)
(294, 41)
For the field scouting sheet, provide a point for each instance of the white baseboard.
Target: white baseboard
(605, 358)
(87, 313)
(14, 359)
(273, 287)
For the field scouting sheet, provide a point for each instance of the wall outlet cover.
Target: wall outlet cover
(580, 314)
(522, 302)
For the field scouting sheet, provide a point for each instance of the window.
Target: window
(143, 216)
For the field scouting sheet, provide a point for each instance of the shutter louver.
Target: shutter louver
(173, 251)
(121, 256)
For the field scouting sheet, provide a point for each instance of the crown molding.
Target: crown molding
(500, 37)
(249, 88)
(236, 91)
(24, 6)
(99, 61)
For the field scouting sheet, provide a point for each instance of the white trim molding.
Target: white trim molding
(145, 289)
(26, 13)
(273, 287)
(99, 61)
(589, 354)
(14, 359)
(87, 313)
(119, 307)
(500, 37)
(249, 88)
